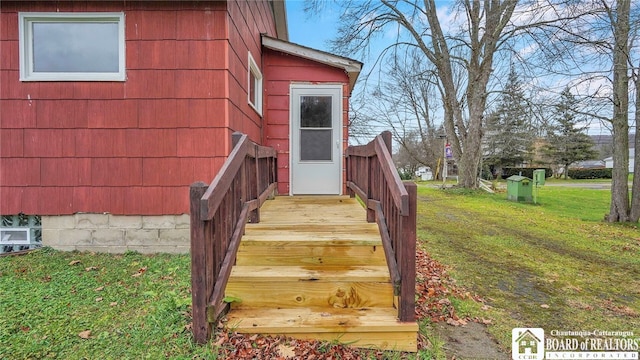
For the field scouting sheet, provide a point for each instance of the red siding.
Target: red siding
(280, 71)
(130, 147)
(248, 19)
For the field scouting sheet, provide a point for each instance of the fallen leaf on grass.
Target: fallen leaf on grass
(91, 268)
(140, 272)
(221, 340)
(544, 306)
(85, 334)
(486, 321)
(99, 288)
(98, 299)
(444, 301)
(113, 303)
(286, 351)
(74, 262)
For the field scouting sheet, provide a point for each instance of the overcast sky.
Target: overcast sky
(315, 32)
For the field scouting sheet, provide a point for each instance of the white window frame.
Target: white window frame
(25, 19)
(254, 71)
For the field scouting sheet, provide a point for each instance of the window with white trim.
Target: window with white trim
(72, 46)
(255, 86)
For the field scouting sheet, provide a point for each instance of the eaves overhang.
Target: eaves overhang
(351, 67)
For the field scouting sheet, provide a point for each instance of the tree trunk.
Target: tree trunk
(469, 161)
(619, 211)
(634, 214)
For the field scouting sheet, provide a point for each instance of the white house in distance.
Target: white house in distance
(608, 162)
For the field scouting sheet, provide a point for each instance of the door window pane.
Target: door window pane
(315, 111)
(315, 144)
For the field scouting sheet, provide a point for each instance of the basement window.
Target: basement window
(20, 232)
(255, 86)
(72, 46)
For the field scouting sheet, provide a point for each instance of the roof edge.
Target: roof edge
(279, 9)
(350, 66)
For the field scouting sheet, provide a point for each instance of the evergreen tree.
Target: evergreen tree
(508, 131)
(567, 142)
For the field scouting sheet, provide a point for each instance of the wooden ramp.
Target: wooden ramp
(313, 268)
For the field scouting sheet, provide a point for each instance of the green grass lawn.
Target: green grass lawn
(134, 306)
(554, 265)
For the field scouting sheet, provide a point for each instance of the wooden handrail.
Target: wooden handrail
(391, 203)
(219, 213)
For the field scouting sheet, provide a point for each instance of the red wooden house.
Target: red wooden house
(110, 110)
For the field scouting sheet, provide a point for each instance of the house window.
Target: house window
(255, 85)
(72, 46)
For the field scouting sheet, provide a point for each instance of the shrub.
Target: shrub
(527, 172)
(405, 175)
(590, 173)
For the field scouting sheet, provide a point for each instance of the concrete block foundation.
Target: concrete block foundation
(117, 233)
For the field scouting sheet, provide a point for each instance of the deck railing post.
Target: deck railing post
(371, 213)
(349, 174)
(199, 291)
(408, 256)
(386, 137)
(255, 183)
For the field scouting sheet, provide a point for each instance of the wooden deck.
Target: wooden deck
(314, 268)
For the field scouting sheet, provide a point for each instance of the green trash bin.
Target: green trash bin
(539, 177)
(519, 188)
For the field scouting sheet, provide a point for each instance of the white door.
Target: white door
(316, 139)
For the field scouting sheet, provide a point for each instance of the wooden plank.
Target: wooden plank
(358, 191)
(281, 321)
(372, 328)
(398, 191)
(361, 150)
(211, 200)
(305, 210)
(310, 273)
(351, 234)
(317, 228)
(331, 293)
(267, 193)
(265, 152)
(281, 253)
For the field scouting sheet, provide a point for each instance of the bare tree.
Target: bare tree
(592, 52)
(467, 48)
(403, 103)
